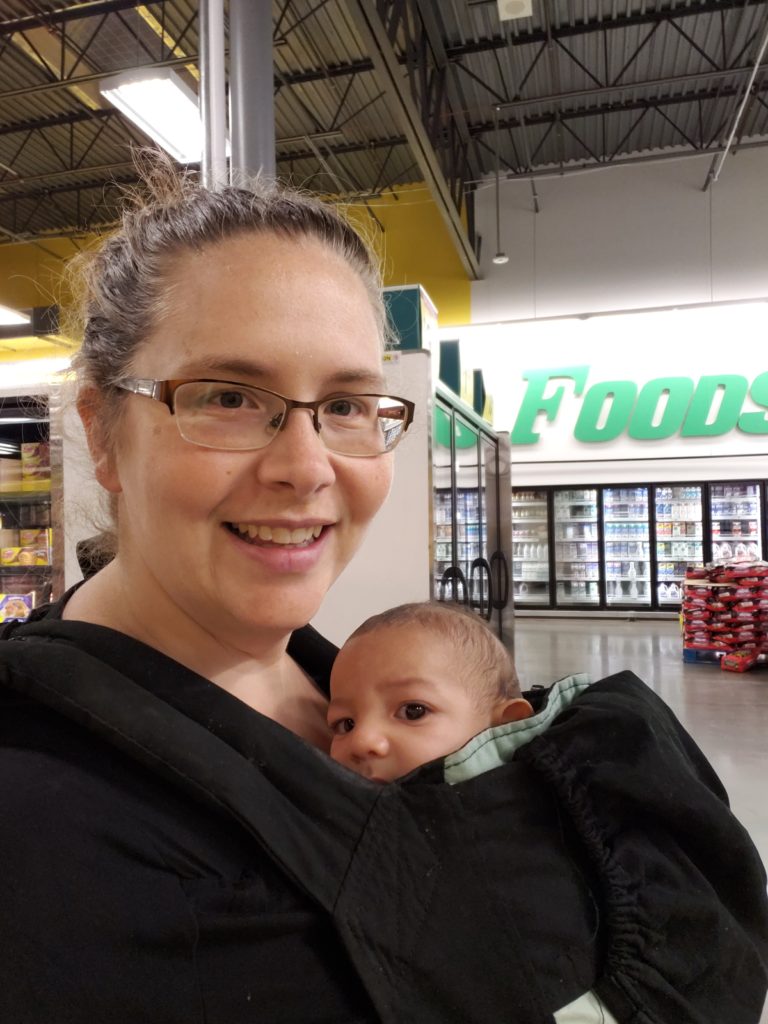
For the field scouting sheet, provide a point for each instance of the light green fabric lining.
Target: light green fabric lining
(497, 746)
(587, 1009)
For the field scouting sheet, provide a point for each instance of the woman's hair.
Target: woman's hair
(490, 661)
(120, 287)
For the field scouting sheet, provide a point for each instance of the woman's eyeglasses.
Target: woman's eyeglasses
(238, 417)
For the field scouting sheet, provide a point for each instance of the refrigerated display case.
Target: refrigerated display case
(734, 510)
(577, 556)
(28, 543)
(530, 547)
(629, 547)
(626, 547)
(679, 521)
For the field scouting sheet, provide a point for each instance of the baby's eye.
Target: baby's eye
(342, 726)
(412, 711)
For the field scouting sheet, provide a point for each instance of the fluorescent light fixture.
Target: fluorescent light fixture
(12, 316)
(31, 373)
(163, 106)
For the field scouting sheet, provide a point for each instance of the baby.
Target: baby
(416, 683)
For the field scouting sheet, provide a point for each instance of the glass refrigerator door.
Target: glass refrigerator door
(735, 511)
(627, 546)
(469, 527)
(530, 549)
(577, 563)
(442, 502)
(679, 539)
(489, 529)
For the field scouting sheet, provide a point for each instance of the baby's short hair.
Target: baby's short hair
(496, 675)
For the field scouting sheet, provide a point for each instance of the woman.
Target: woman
(176, 845)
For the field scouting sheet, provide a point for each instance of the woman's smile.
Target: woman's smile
(280, 549)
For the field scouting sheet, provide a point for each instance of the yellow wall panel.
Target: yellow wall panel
(31, 276)
(416, 249)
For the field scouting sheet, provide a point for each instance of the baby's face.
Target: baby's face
(401, 697)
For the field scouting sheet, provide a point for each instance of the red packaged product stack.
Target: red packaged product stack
(725, 612)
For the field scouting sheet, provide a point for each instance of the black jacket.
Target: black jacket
(169, 855)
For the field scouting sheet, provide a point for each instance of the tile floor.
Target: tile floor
(726, 713)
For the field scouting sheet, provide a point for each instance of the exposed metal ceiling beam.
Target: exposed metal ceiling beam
(452, 53)
(476, 131)
(57, 120)
(650, 102)
(376, 42)
(567, 171)
(91, 9)
(647, 17)
(673, 82)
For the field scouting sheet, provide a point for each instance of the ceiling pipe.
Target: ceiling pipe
(501, 257)
(213, 102)
(717, 165)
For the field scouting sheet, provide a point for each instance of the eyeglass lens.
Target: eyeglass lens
(237, 417)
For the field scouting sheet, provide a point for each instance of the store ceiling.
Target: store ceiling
(371, 94)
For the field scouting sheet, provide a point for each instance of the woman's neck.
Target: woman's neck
(260, 672)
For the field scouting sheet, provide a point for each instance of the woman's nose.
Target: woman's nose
(296, 457)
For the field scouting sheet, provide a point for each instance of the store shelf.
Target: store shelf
(527, 504)
(678, 519)
(25, 570)
(25, 497)
(680, 537)
(751, 538)
(628, 579)
(529, 519)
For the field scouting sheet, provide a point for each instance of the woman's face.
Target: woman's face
(294, 318)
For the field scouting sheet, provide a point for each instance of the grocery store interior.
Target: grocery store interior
(570, 207)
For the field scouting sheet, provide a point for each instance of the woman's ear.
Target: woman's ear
(512, 711)
(92, 412)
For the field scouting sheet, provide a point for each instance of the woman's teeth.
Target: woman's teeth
(277, 534)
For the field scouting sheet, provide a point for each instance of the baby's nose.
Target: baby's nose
(369, 742)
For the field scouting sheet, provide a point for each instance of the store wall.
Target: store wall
(655, 395)
(624, 238)
(415, 248)
(31, 275)
(411, 240)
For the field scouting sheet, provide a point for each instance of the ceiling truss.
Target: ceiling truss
(402, 92)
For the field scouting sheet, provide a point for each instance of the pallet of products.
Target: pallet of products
(725, 615)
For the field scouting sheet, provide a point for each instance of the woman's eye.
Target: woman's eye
(230, 399)
(342, 726)
(341, 407)
(412, 712)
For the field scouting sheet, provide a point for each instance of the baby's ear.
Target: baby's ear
(512, 711)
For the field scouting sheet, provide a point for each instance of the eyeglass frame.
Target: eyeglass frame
(164, 391)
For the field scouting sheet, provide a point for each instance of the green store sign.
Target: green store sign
(690, 408)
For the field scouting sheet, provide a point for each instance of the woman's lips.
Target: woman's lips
(281, 558)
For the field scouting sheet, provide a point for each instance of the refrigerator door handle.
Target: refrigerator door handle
(502, 600)
(484, 607)
(451, 574)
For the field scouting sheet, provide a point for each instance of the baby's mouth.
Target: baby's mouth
(272, 536)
